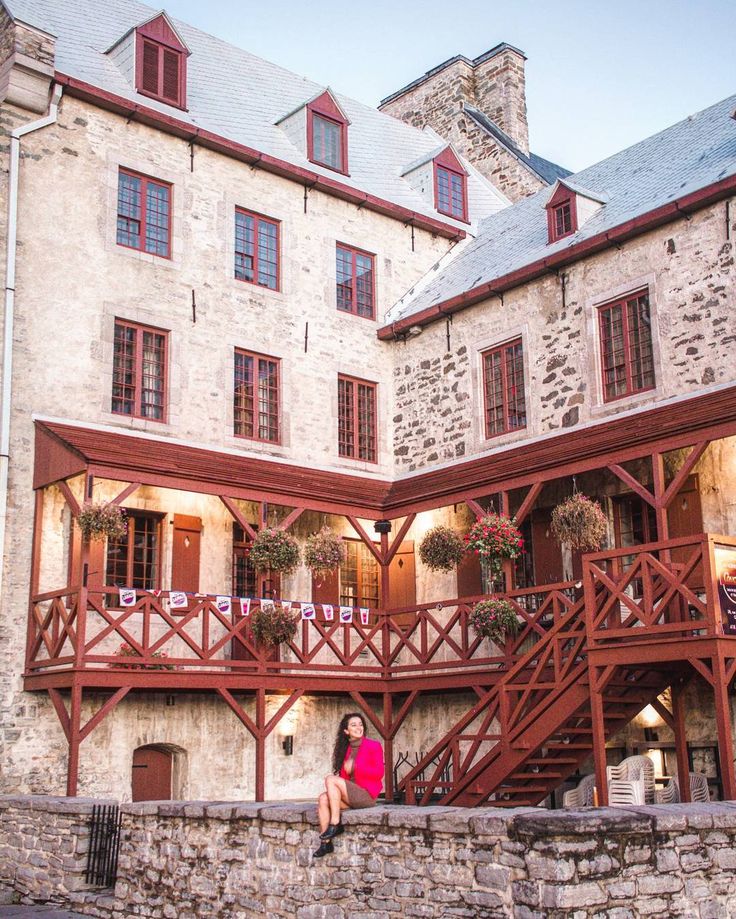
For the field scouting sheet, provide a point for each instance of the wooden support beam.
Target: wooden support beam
(61, 711)
(475, 508)
(528, 503)
(104, 710)
(238, 516)
(261, 745)
(388, 747)
(398, 539)
(290, 518)
(683, 472)
(663, 525)
(75, 712)
(599, 738)
(628, 479)
(288, 704)
(126, 493)
(683, 762)
(355, 524)
(369, 713)
(724, 729)
(238, 710)
(664, 713)
(74, 507)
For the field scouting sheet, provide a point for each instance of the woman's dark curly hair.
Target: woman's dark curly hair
(342, 742)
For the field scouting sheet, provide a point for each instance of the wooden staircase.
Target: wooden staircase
(532, 729)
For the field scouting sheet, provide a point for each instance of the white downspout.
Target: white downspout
(7, 372)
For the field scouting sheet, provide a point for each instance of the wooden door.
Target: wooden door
(185, 553)
(151, 774)
(402, 579)
(685, 518)
(546, 551)
(326, 588)
(469, 576)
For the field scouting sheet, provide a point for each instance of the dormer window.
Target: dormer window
(569, 206)
(450, 186)
(161, 62)
(327, 133)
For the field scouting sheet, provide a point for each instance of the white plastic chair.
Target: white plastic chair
(670, 794)
(699, 790)
(625, 791)
(582, 796)
(633, 768)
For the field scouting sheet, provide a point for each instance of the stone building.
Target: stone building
(237, 300)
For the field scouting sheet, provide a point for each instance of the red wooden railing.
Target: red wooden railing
(429, 638)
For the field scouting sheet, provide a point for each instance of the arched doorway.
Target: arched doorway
(152, 771)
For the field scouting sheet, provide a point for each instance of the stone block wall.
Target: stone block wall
(182, 860)
(43, 845)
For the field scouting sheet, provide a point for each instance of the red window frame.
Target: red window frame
(143, 209)
(504, 395)
(131, 370)
(325, 108)
(451, 187)
(357, 427)
(627, 353)
(562, 214)
(352, 294)
(137, 555)
(257, 397)
(163, 76)
(261, 227)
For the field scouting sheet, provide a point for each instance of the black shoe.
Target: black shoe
(333, 829)
(325, 848)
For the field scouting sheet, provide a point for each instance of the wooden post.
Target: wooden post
(599, 738)
(723, 726)
(75, 715)
(663, 527)
(683, 763)
(388, 747)
(260, 739)
(385, 586)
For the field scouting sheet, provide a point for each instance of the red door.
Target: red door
(151, 774)
(185, 553)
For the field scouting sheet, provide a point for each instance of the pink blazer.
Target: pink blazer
(368, 771)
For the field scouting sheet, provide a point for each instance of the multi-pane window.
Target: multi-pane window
(356, 412)
(626, 346)
(503, 384)
(245, 581)
(256, 249)
(144, 213)
(161, 72)
(355, 282)
(133, 560)
(256, 397)
(139, 371)
(327, 142)
(358, 576)
(451, 192)
(563, 219)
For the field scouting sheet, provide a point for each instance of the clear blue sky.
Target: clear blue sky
(600, 76)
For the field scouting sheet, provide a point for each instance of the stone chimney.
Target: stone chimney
(26, 64)
(493, 83)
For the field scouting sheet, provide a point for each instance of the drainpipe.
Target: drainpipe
(7, 372)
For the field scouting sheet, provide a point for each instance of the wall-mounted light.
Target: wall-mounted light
(288, 744)
(287, 729)
(382, 526)
(415, 330)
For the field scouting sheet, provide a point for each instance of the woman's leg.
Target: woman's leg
(337, 795)
(323, 811)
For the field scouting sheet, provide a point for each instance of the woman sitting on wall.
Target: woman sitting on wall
(355, 781)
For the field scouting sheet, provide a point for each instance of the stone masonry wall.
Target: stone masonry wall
(189, 859)
(688, 269)
(497, 88)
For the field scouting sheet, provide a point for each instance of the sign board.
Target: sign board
(725, 559)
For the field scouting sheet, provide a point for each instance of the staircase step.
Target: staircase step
(542, 774)
(570, 746)
(520, 789)
(556, 760)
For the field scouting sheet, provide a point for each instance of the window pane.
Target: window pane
(346, 417)
(344, 279)
(614, 351)
(366, 422)
(123, 370)
(503, 371)
(640, 344)
(129, 210)
(244, 395)
(443, 190)
(267, 254)
(132, 560)
(364, 285)
(153, 370)
(157, 219)
(268, 400)
(244, 246)
(327, 142)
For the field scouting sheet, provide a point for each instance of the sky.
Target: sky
(599, 76)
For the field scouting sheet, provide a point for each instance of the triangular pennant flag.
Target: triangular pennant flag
(346, 614)
(364, 611)
(329, 611)
(178, 599)
(308, 611)
(286, 606)
(127, 596)
(245, 606)
(268, 605)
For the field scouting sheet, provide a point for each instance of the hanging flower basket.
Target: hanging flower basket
(441, 549)
(324, 552)
(273, 625)
(494, 538)
(580, 523)
(96, 521)
(275, 550)
(495, 619)
(133, 659)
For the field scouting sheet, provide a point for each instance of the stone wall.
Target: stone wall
(188, 859)
(688, 269)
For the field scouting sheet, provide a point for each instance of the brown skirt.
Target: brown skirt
(357, 796)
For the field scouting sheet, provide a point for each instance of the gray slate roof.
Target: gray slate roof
(691, 155)
(240, 96)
